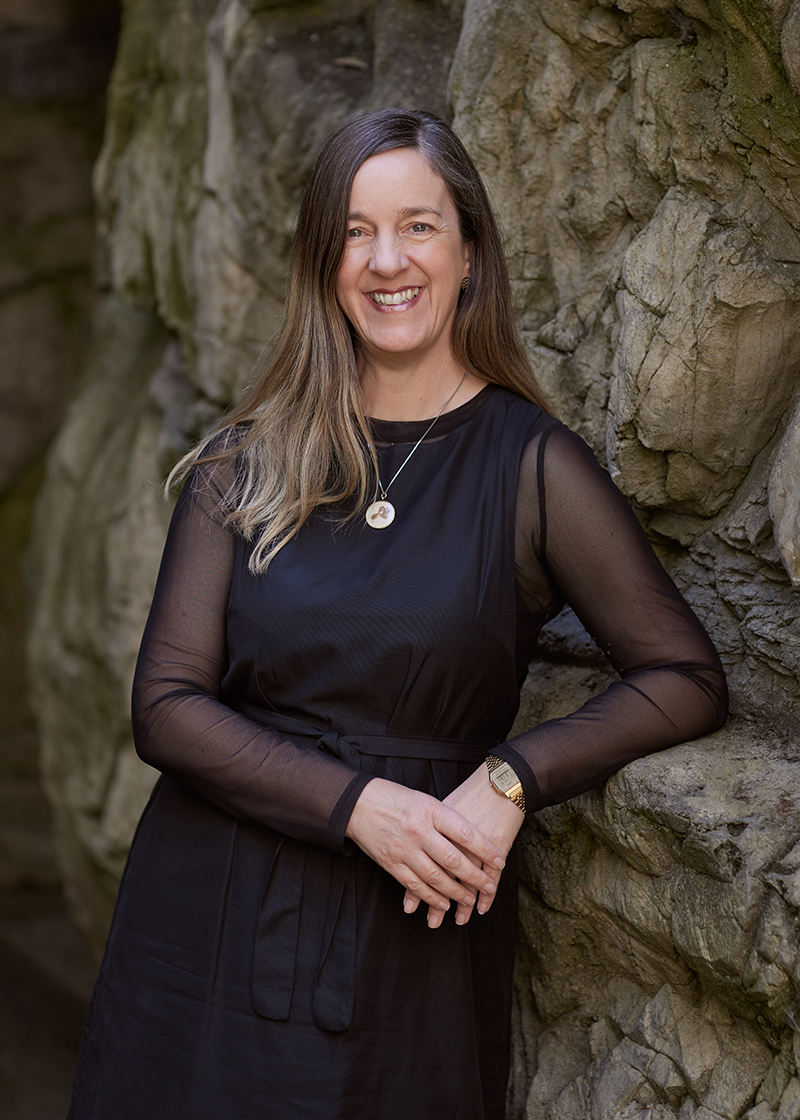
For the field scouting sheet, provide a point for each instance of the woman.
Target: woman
(351, 590)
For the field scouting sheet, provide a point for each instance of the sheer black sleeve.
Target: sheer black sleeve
(180, 724)
(582, 543)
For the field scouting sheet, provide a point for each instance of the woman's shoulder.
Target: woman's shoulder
(519, 406)
(560, 462)
(536, 424)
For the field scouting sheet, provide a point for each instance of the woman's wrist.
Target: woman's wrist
(521, 767)
(504, 779)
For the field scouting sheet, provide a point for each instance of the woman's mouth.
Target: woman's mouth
(394, 299)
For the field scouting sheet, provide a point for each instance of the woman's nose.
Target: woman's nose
(388, 257)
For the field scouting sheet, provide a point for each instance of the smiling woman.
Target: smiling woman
(318, 915)
(400, 279)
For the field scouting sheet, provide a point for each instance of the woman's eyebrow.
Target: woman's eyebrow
(414, 211)
(406, 212)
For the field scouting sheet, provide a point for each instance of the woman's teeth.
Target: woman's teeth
(391, 299)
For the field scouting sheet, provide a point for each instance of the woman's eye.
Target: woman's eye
(420, 227)
(352, 234)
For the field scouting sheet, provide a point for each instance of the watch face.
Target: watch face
(504, 778)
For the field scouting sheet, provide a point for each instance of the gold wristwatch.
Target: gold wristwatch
(504, 779)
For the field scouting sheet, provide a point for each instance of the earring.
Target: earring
(465, 283)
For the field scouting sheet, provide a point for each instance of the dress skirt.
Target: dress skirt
(178, 1028)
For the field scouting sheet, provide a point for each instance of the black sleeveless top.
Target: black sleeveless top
(407, 630)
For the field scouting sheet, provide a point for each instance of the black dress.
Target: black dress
(259, 965)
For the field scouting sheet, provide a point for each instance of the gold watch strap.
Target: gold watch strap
(504, 778)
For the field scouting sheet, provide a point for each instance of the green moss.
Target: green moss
(761, 102)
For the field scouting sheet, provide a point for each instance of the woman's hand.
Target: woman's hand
(497, 818)
(433, 850)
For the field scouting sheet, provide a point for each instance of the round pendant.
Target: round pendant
(380, 514)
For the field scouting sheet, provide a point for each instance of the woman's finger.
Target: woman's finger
(452, 873)
(466, 837)
(426, 879)
(463, 911)
(410, 902)
(435, 916)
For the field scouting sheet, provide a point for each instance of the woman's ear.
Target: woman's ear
(468, 249)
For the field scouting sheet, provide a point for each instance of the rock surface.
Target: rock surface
(645, 162)
(659, 933)
(784, 499)
(54, 66)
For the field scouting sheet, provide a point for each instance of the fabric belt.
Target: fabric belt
(386, 746)
(280, 915)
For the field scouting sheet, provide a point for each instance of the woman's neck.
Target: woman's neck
(418, 393)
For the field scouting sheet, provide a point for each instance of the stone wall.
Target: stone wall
(55, 58)
(645, 162)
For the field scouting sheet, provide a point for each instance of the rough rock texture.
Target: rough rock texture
(645, 161)
(784, 499)
(54, 65)
(659, 960)
(651, 191)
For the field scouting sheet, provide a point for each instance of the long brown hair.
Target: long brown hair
(301, 438)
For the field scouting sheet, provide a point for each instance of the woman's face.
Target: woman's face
(404, 260)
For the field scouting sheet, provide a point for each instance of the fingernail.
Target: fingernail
(408, 906)
(461, 919)
(499, 863)
(483, 907)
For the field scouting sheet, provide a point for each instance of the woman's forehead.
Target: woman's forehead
(401, 179)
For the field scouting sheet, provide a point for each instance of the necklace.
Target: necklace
(381, 513)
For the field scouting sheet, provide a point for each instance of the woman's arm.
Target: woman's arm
(180, 724)
(588, 545)
(583, 544)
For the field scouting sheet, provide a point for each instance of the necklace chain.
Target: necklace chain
(381, 512)
(385, 489)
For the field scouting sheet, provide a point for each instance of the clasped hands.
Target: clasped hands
(440, 851)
